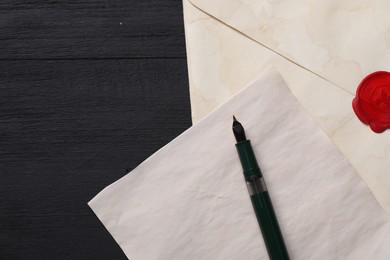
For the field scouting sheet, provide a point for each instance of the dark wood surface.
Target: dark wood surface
(89, 89)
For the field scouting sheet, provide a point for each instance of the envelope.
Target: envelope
(321, 48)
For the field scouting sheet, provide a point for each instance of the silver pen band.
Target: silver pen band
(256, 185)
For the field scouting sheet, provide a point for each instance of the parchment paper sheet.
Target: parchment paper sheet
(189, 200)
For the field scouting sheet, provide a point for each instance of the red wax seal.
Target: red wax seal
(372, 101)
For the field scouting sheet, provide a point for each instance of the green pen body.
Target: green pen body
(261, 202)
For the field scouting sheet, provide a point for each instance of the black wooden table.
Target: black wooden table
(89, 89)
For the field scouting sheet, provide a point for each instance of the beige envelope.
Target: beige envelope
(322, 49)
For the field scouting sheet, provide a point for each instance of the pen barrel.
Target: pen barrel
(269, 226)
(248, 159)
(261, 202)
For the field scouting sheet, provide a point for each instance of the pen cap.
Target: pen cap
(248, 159)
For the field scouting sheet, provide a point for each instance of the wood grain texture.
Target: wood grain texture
(73, 95)
(91, 29)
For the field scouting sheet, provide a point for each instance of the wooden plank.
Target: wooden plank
(68, 128)
(91, 29)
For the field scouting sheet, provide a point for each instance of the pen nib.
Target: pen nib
(238, 130)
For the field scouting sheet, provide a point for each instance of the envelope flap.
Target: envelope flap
(341, 41)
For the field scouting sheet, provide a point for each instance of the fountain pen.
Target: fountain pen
(259, 195)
